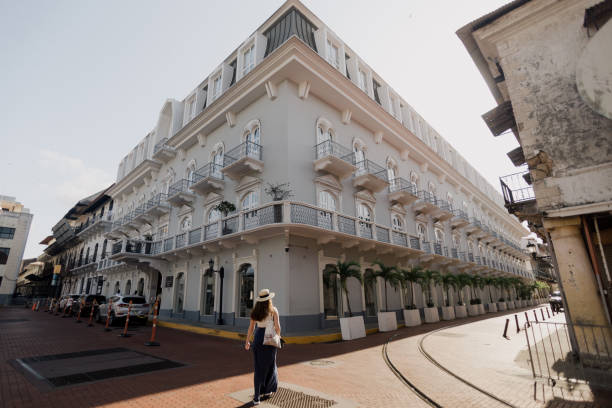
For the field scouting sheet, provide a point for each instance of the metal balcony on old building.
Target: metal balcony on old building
(243, 160)
(443, 210)
(208, 178)
(426, 203)
(519, 198)
(157, 205)
(98, 224)
(370, 176)
(163, 152)
(335, 159)
(460, 219)
(179, 194)
(402, 191)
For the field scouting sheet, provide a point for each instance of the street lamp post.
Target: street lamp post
(221, 272)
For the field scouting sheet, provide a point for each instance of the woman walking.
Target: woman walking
(264, 315)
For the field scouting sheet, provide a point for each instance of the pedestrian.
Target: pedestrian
(264, 318)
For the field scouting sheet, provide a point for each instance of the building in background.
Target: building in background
(547, 63)
(15, 222)
(370, 180)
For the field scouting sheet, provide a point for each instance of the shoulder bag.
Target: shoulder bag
(271, 338)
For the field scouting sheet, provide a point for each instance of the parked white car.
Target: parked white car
(119, 309)
(67, 301)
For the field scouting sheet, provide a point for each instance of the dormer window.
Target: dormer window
(333, 54)
(190, 109)
(248, 60)
(217, 87)
(363, 78)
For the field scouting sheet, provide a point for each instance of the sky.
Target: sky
(83, 81)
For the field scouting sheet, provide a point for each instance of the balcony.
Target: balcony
(519, 198)
(157, 205)
(402, 192)
(460, 219)
(138, 216)
(370, 176)
(426, 203)
(163, 152)
(243, 160)
(99, 224)
(335, 159)
(443, 210)
(179, 194)
(207, 179)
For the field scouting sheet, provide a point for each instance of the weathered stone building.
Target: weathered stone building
(548, 65)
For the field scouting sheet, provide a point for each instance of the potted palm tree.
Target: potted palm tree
(480, 284)
(501, 283)
(488, 282)
(352, 327)
(448, 281)
(473, 309)
(387, 321)
(510, 284)
(463, 280)
(408, 278)
(429, 279)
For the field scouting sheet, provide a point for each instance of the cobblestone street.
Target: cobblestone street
(215, 368)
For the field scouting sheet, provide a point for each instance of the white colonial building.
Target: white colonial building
(370, 180)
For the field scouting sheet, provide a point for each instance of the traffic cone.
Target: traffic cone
(152, 342)
(108, 313)
(93, 304)
(127, 322)
(79, 314)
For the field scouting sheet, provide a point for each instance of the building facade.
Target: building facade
(369, 179)
(15, 222)
(547, 63)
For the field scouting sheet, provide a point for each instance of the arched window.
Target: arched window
(359, 157)
(253, 142)
(331, 294)
(117, 290)
(451, 202)
(439, 236)
(327, 200)
(213, 216)
(369, 290)
(324, 134)
(186, 223)
(179, 294)
(456, 241)
(246, 282)
(95, 254)
(104, 249)
(397, 223)
(80, 257)
(364, 213)
(470, 247)
(391, 173)
(414, 181)
(128, 288)
(140, 287)
(217, 162)
(432, 189)
(208, 294)
(250, 201)
(87, 256)
(422, 232)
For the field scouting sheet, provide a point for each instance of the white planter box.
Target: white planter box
(492, 307)
(460, 311)
(387, 321)
(472, 310)
(352, 327)
(448, 313)
(481, 309)
(412, 317)
(510, 305)
(431, 314)
(501, 306)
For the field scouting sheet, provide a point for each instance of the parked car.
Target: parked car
(87, 301)
(555, 300)
(119, 309)
(68, 302)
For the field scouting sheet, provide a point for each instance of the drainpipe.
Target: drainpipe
(595, 265)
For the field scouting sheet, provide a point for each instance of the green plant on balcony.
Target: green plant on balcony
(344, 271)
(408, 278)
(225, 207)
(279, 191)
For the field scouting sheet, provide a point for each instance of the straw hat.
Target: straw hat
(264, 295)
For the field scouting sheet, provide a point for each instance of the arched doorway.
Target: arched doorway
(246, 283)
(140, 287)
(179, 294)
(128, 288)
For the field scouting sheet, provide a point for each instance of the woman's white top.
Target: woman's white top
(268, 321)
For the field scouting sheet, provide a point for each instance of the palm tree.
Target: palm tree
(463, 280)
(344, 270)
(488, 282)
(411, 276)
(389, 274)
(475, 282)
(448, 280)
(429, 277)
(504, 284)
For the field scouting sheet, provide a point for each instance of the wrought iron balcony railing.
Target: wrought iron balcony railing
(181, 186)
(208, 170)
(369, 167)
(427, 197)
(517, 188)
(246, 149)
(400, 184)
(329, 148)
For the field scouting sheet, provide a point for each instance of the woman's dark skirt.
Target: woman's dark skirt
(266, 376)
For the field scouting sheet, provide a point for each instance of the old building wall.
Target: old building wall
(566, 143)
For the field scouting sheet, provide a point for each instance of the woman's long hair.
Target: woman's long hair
(261, 310)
